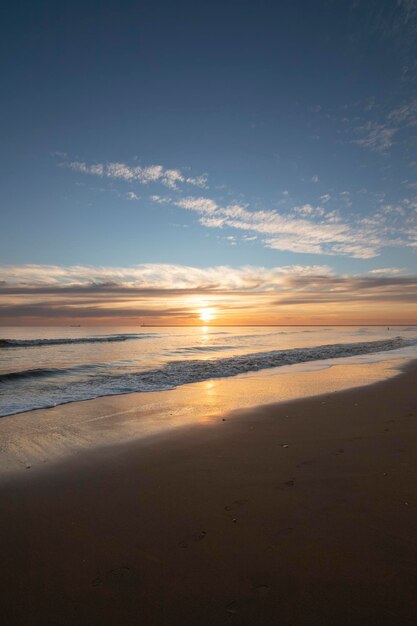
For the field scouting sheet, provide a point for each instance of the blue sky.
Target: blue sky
(202, 134)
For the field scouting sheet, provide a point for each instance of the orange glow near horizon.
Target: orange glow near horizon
(223, 308)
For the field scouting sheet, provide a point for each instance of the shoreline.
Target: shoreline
(41, 438)
(299, 513)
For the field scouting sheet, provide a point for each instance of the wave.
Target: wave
(46, 372)
(192, 349)
(174, 374)
(29, 343)
(32, 373)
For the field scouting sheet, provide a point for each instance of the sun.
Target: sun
(206, 314)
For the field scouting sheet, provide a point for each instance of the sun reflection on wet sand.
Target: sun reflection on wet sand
(47, 435)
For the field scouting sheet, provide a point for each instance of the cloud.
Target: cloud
(307, 210)
(57, 311)
(315, 179)
(350, 289)
(165, 292)
(144, 175)
(390, 127)
(160, 199)
(387, 271)
(150, 276)
(132, 196)
(377, 137)
(304, 229)
(394, 22)
(310, 229)
(405, 114)
(409, 7)
(200, 205)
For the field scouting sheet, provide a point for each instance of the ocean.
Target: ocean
(46, 367)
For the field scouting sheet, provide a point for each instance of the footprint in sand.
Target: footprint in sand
(116, 575)
(261, 591)
(119, 574)
(194, 538)
(282, 486)
(235, 505)
(232, 608)
(284, 531)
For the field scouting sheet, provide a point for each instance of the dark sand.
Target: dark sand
(302, 513)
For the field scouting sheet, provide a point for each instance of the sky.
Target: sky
(219, 162)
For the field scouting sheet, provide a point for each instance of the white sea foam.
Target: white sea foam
(47, 387)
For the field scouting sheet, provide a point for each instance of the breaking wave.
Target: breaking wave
(43, 389)
(29, 343)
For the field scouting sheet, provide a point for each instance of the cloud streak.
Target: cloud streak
(170, 178)
(164, 293)
(376, 137)
(389, 127)
(310, 229)
(151, 276)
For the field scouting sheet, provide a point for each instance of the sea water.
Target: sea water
(46, 367)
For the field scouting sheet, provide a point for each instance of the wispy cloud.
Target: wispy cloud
(132, 196)
(163, 292)
(405, 113)
(409, 7)
(207, 206)
(152, 276)
(160, 199)
(387, 271)
(377, 137)
(381, 127)
(309, 229)
(394, 21)
(170, 178)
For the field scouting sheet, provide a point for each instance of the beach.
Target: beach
(208, 314)
(301, 512)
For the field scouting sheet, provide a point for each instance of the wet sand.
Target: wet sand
(302, 513)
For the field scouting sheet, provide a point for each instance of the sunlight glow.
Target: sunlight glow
(206, 314)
